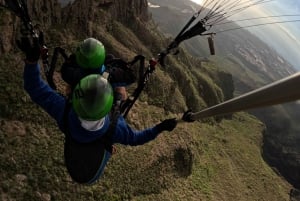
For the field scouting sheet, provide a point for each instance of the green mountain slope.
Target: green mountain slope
(199, 161)
(252, 64)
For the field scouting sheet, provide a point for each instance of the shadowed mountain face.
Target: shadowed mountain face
(203, 160)
(253, 64)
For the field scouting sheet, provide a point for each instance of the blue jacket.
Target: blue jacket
(54, 104)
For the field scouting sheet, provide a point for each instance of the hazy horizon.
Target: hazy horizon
(282, 37)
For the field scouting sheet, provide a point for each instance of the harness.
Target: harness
(85, 162)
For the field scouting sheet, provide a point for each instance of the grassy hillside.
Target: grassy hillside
(253, 64)
(197, 161)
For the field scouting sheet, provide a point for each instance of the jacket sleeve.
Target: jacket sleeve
(127, 136)
(42, 94)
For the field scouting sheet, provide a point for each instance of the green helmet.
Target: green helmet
(92, 97)
(90, 53)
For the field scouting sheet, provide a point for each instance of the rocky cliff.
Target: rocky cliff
(206, 160)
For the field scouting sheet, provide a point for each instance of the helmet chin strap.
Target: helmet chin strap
(92, 125)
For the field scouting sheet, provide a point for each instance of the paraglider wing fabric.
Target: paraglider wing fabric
(85, 161)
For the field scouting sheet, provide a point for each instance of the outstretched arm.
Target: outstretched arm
(127, 136)
(41, 93)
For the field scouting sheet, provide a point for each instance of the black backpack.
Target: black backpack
(85, 162)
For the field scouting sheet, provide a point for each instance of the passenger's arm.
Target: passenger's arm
(126, 135)
(41, 93)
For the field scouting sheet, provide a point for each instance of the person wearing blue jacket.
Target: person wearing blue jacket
(89, 126)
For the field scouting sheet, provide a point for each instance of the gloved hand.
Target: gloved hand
(167, 125)
(187, 116)
(31, 48)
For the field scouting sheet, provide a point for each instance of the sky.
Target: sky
(283, 37)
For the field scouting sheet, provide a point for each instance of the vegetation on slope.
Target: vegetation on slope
(198, 161)
(252, 64)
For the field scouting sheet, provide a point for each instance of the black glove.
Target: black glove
(187, 116)
(31, 48)
(167, 125)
